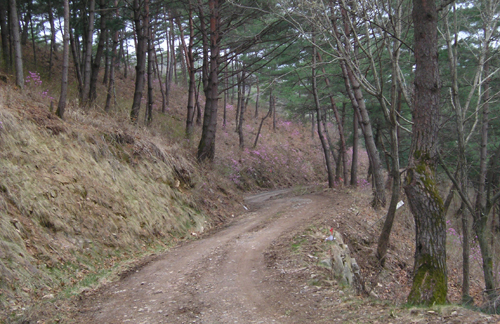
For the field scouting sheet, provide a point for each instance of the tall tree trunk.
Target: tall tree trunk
(206, 148)
(87, 68)
(226, 84)
(270, 111)
(126, 59)
(197, 104)
(159, 75)
(141, 27)
(319, 113)
(149, 110)
(353, 88)
(174, 57)
(356, 96)
(168, 73)
(64, 77)
(429, 275)
(52, 37)
(16, 39)
(192, 76)
(27, 20)
(379, 190)
(343, 150)
(33, 38)
(257, 100)
(238, 102)
(395, 177)
(107, 63)
(312, 124)
(274, 115)
(464, 215)
(383, 241)
(483, 211)
(5, 34)
(182, 58)
(76, 62)
(113, 64)
(96, 64)
(242, 110)
(354, 158)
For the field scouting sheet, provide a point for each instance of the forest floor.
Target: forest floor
(263, 267)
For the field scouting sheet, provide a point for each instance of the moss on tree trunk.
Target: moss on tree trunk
(429, 277)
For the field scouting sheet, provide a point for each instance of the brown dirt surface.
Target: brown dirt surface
(263, 268)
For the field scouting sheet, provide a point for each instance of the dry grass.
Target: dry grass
(80, 195)
(83, 197)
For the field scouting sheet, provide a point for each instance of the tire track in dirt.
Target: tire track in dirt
(222, 278)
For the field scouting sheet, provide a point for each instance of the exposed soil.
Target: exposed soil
(249, 273)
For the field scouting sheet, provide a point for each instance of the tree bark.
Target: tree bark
(96, 64)
(429, 275)
(88, 55)
(257, 100)
(4, 34)
(238, 102)
(114, 59)
(16, 38)
(226, 84)
(379, 190)
(141, 21)
(33, 36)
(319, 113)
(206, 148)
(392, 119)
(52, 37)
(354, 158)
(353, 89)
(76, 61)
(149, 110)
(107, 63)
(356, 96)
(168, 72)
(242, 105)
(159, 75)
(483, 211)
(27, 20)
(192, 77)
(270, 111)
(64, 77)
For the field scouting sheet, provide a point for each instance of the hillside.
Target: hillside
(83, 199)
(88, 199)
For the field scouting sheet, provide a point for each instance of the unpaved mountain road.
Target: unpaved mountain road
(222, 278)
(249, 272)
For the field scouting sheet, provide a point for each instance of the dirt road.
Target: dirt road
(219, 279)
(249, 272)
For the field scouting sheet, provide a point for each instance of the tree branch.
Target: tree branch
(444, 5)
(455, 183)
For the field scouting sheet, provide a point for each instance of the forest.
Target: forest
(414, 83)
